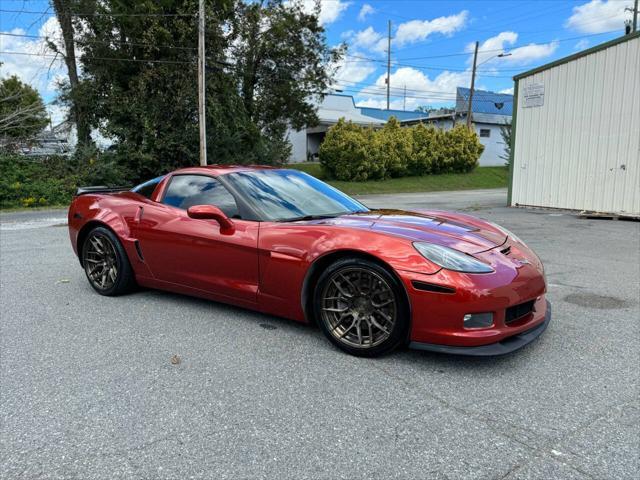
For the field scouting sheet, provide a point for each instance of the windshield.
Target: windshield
(286, 195)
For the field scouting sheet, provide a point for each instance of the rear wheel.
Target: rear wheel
(106, 264)
(361, 307)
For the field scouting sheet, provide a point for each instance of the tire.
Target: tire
(361, 307)
(106, 263)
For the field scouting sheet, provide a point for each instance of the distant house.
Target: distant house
(490, 112)
(305, 144)
(51, 141)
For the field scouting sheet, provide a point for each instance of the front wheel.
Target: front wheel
(361, 307)
(106, 263)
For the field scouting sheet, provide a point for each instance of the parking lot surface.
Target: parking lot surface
(89, 390)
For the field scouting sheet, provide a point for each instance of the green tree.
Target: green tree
(22, 113)
(282, 63)
(79, 110)
(265, 61)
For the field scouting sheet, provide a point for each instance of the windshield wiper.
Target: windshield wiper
(311, 217)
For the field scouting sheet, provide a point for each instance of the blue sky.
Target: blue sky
(431, 43)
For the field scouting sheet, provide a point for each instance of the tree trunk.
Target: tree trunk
(251, 63)
(78, 113)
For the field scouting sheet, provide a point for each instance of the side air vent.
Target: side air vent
(506, 251)
(430, 287)
(139, 250)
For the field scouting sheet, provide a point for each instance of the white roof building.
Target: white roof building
(306, 143)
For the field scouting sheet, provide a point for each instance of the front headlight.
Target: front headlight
(451, 259)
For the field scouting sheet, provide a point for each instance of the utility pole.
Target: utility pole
(473, 81)
(388, 63)
(201, 86)
(404, 99)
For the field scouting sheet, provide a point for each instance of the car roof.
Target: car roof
(222, 169)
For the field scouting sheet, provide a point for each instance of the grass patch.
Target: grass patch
(312, 168)
(481, 177)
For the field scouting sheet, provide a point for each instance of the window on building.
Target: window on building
(185, 191)
(485, 132)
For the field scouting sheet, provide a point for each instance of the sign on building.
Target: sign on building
(533, 95)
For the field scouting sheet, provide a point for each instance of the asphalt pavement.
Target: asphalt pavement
(88, 388)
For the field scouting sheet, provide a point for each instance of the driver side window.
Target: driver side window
(185, 191)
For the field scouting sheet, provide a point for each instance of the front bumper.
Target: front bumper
(503, 347)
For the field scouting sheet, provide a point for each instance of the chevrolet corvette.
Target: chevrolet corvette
(284, 243)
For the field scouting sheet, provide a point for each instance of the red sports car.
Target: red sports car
(285, 243)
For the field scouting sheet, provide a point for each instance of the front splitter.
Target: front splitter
(508, 345)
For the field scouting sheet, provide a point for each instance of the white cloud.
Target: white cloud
(532, 52)
(349, 71)
(421, 90)
(367, 38)
(582, 44)
(408, 32)
(489, 50)
(599, 16)
(57, 113)
(330, 10)
(508, 91)
(490, 46)
(37, 68)
(418, 30)
(365, 11)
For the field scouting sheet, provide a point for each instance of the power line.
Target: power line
(44, 55)
(98, 42)
(101, 14)
(493, 50)
(480, 96)
(368, 85)
(419, 97)
(485, 73)
(365, 85)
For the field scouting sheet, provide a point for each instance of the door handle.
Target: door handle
(138, 215)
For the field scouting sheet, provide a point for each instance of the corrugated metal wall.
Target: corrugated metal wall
(581, 148)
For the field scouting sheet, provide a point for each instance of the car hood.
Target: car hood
(455, 230)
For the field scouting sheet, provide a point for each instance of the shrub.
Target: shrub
(352, 153)
(392, 148)
(345, 153)
(44, 181)
(427, 147)
(28, 182)
(461, 151)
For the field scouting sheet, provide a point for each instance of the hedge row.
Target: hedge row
(52, 180)
(353, 153)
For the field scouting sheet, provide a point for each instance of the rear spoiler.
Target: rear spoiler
(101, 189)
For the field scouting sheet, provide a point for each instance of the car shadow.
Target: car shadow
(440, 362)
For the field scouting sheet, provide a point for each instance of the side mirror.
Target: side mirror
(209, 212)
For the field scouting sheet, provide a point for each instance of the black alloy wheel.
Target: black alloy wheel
(106, 264)
(361, 307)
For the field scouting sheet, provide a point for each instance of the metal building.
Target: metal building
(576, 137)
